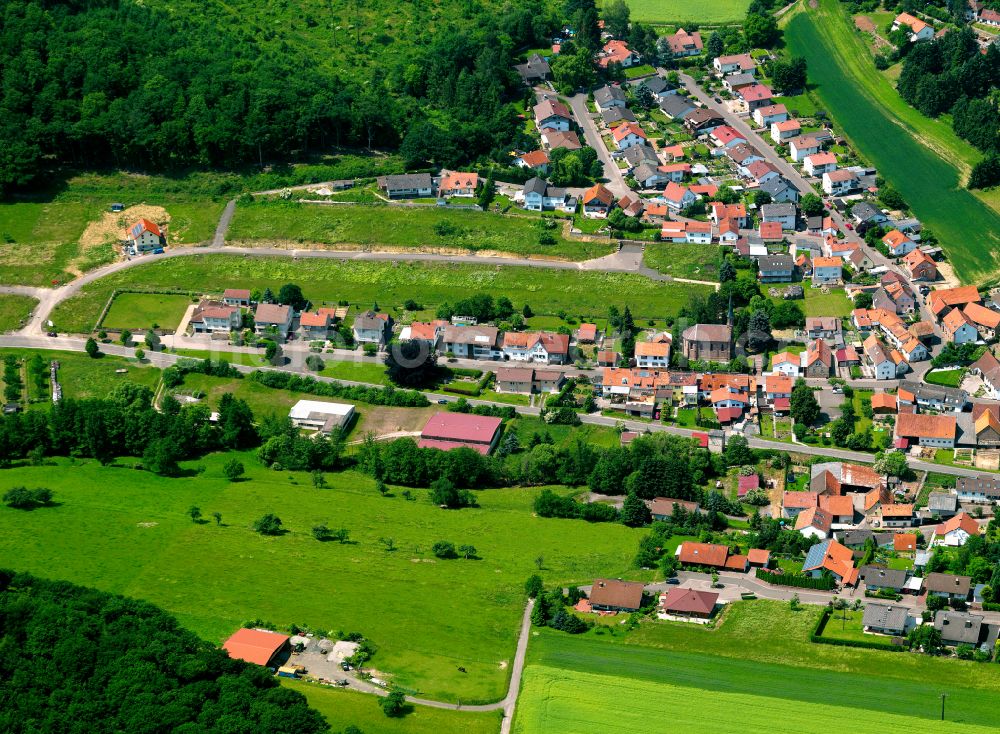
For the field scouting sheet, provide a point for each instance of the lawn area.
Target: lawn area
(344, 708)
(921, 157)
(685, 11)
(845, 624)
(946, 378)
(14, 311)
(687, 417)
(325, 282)
(899, 563)
(696, 262)
(355, 371)
(563, 436)
(142, 311)
(382, 225)
(83, 377)
(757, 668)
(817, 303)
(128, 532)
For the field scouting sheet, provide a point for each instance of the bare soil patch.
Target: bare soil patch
(864, 23)
(113, 226)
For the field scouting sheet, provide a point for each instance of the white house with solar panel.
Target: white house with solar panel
(145, 236)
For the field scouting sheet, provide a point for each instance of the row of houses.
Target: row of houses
(445, 185)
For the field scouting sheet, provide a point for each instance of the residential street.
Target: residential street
(615, 181)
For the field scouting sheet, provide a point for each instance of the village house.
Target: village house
(762, 172)
(786, 363)
(678, 197)
(688, 604)
(785, 214)
(702, 120)
(941, 301)
(839, 182)
(756, 96)
(407, 186)
(819, 163)
(827, 271)
(676, 106)
(617, 52)
(542, 346)
(613, 595)
(536, 160)
(239, 297)
(920, 266)
(962, 628)
(211, 317)
(818, 360)
(535, 70)
(628, 134)
(986, 320)
(938, 398)
(698, 233)
(539, 196)
(802, 146)
(735, 82)
(316, 325)
(553, 115)
(982, 488)
(682, 43)
(830, 556)
(896, 515)
(272, 317)
(737, 212)
(947, 586)
(708, 342)
(709, 555)
(775, 268)
(878, 578)
(428, 333)
(735, 63)
(372, 327)
(779, 189)
(885, 619)
(650, 354)
(726, 137)
(145, 236)
(471, 342)
(663, 508)
(937, 431)
(597, 201)
(609, 96)
(919, 30)
(324, 417)
(814, 523)
(614, 115)
(766, 116)
(660, 87)
(823, 327)
(987, 368)
(553, 139)
(958, 328)
(458, 183)
(898, 243)
(527, 380)
(784, 130)
(650, 176)
(955, 531)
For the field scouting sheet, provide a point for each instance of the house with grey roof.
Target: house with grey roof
(635, 155)
(885, 619)
(936, 397)
(865, 213)
(877, 578)
(407, 186)
(942, 504)
(614, 115)
(947, 585)
(780, 190)
(535, 69)
(962, 628)
(676, 106)
(609, 96)
(659, 86)
(785, 212)
(775, 268)
(980, 488)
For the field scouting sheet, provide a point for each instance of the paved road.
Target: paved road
(223, 227)
(615, 181)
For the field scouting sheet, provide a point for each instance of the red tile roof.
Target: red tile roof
(703, 554)
(254, 646)
(688, 601)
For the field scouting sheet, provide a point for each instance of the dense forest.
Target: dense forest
(75, 659)
(950, 75)
(161, 86)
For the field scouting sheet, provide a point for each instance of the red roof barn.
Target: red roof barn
(454, 430)
(255, 646)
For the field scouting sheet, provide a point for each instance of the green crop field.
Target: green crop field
(128, 532)
(685, 11)
(758, 668)
(695, 262)
(344, 708)
(143, 310)
(921, 157)
(14, 310)
(426, 227)
(363, 283)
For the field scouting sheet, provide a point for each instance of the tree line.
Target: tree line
(119, 664)
(950, 75)
(122, 84)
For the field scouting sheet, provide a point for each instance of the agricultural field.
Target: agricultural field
(923, 158)
(583, 294)
(128, 532)
(345, 708)
(687, 11)
(146, 311)
(695, 262)
(758, 668)
(14, 310)
(393, 226)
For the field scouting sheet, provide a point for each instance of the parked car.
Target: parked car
(52, 333)
(345, 665)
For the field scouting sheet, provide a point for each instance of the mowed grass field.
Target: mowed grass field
(127, 531)
(83, 377)
(683, 11)
(344, 708)
(325, 282)
(388, 226)
(921, 157)
(758, 668)
(144, 310)
(696, 262)
(14, 310)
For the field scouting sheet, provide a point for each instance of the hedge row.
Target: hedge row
(371, 395)
(816, 636)
(989, 606)
(802, 582)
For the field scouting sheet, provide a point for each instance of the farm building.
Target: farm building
(260, 647)
(447, 431)
(320, 416)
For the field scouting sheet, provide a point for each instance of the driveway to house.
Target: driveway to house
(585, 118)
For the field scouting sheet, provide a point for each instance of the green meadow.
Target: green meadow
(327, 281)
(14, 311)
(921, 157)
(687, 11)
(395, 226)
(127, 531)
(144, 310)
